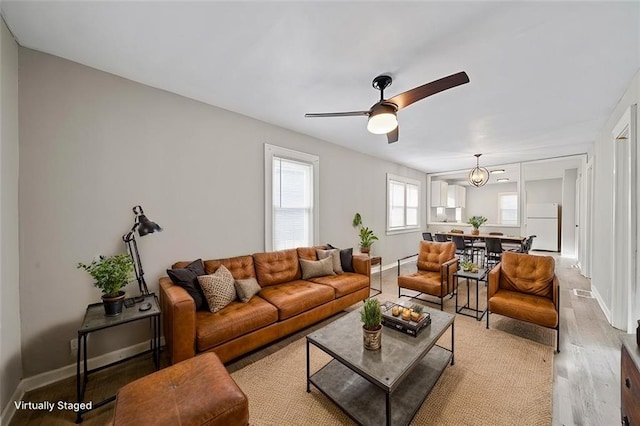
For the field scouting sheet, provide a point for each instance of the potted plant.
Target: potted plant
(111, 274)
(367, 237)
(476, 222)
(371, 317)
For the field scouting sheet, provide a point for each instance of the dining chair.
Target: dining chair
(462, 248)
(427, 236)
(492, 251)
(441, 238)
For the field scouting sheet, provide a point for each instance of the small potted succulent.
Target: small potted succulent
(476, 222)
(367, 237)
(111, 274)
(371, 317)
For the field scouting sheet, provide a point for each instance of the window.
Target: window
(291, 198)
(403, 201)
(508, 208)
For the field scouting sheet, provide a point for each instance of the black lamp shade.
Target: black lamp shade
(146, 226)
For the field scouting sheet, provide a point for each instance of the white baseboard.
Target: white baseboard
(10, 409)
(603, 307)
(48, 377)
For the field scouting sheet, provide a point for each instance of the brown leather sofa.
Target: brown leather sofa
(525, 287)
(285, 304)
(437, 264)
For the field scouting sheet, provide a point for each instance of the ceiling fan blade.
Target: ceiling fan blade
(337, 114)
(392, 136)
(405, 99)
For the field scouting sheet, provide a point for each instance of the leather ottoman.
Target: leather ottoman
(198, 391)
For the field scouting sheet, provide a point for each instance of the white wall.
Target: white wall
(10, 354)
(483, 201)
(568, 223)
(602, 254)
(543, 191)
(93, 145)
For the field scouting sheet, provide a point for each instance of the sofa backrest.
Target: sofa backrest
(276, 267)
(432, 255)
(241, 267)
(527, 273)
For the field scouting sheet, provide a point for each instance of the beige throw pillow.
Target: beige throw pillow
(247, 288)
(316, 268)
(335, 258)
(219, 288)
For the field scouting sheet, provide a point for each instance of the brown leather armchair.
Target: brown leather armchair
(525, 287)
(437, 264)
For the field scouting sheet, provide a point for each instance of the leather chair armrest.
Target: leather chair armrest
(362, 264)
(448, 269)
(556, 291)
(494, 279)
(178, 320)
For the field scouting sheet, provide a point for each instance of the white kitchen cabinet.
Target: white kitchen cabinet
(439, 193)
(456, 196)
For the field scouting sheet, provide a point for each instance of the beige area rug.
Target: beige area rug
(497, 379)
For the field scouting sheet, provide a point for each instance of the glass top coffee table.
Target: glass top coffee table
(387, 386)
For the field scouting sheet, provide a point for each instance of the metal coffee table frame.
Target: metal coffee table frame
(386, 386)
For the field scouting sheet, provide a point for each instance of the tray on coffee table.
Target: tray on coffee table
(410, 327)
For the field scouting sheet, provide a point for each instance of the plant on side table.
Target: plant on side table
(367, 237)
(476, 222)
(371, 317)
(111, 274)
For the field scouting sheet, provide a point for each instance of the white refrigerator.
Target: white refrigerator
(542, 221)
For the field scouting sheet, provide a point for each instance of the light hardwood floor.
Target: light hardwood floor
(586, 387)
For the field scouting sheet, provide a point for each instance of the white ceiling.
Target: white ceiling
(545, 76)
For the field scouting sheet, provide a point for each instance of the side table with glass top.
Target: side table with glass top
(377, 261)
(94, 320)
(471, 276)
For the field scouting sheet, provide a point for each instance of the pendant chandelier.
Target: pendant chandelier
(478, 176)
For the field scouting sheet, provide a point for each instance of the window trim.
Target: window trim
(405, 228)
(271, 151)
(502, 194)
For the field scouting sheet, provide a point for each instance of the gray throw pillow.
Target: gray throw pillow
(316, 268)
(219, 288)
(335, 258)
(247, 288)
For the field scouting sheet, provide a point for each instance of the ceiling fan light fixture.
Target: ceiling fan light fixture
(478, 176)
(382, 119)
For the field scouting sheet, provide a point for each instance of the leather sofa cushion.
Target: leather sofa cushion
(527, 274)
(241, 267)
(525, 307)
(235, 320)
(307, 253)
(432, 255)
(277, 267)
(423, 281)
(343, 284)
(295, 297)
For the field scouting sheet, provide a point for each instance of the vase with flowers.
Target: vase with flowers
(476, 222)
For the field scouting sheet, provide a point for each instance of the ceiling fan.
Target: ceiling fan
(382, 115)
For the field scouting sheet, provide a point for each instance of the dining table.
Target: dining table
(516, 240)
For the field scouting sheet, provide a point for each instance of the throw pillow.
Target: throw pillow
(335, 258)
(187, 278)
(316, 268)
(346, 258)
(219, 288)
(247, 288)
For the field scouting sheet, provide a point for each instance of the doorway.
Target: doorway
(624, 225)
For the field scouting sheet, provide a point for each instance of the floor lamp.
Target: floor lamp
(144, 226)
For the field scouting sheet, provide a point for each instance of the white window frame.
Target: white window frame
(271, 151)
(405, 181)
(503, 194)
